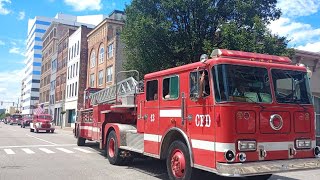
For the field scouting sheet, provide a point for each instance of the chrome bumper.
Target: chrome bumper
(267, 167)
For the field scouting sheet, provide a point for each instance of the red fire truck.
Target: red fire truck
(236, 114)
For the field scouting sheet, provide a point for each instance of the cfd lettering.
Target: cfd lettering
(203, 120)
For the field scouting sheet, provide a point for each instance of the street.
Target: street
(26, 155)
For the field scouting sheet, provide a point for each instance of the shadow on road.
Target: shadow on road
(157, 168)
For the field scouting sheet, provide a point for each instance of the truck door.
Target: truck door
(173, 103)
(200, 116)
(151, 118)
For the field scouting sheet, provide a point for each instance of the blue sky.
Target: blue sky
(300, 22)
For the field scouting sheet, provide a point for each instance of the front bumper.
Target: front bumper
(266, 167)
(42, 129)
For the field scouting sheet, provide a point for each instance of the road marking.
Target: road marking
(42, 139)
(44, 145)
(46, 150)
(9, 151)
(28, 151)
(65, 150)
(83, 150)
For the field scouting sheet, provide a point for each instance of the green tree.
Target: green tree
(160, 34)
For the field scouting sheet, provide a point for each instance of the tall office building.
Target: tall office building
(36, 29)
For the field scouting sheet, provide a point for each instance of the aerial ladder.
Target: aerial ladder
(122, 91)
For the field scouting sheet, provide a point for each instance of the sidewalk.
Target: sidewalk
(65, 128)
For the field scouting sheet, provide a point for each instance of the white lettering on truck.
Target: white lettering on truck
(203, 120)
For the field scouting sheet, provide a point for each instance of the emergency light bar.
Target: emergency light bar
(250, 56)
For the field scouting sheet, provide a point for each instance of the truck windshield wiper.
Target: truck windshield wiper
(297, 102)
(262, 107)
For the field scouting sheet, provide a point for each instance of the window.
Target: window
(109, 74)
(67, 91)
(78, 48)
(91, 80)
(93, 59)
(170, 87)
(100, 81)
(110, 51)
(73, 70)
(77, 69)
(72, 89)
(72, 55)
(194, 86)
(291, 86)
(237, 83)
(76, 89)
(152, 90)
(101, 55)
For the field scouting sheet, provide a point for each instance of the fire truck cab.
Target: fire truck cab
(236, 114)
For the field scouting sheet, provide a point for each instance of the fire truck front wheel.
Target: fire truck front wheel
(178, 162)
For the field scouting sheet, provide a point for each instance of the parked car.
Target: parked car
(15, 119)
(26, 120)
(42, 122)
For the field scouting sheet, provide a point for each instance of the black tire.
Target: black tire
(31, 130)
(47, 131)
(116, 159)
(52, 131)
(187, 171)
(261, 177)
(81, 141)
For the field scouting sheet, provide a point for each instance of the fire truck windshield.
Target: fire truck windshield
(291, 86)
(241, 84)
(45, 117)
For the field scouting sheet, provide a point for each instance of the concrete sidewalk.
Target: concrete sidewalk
(65, 128)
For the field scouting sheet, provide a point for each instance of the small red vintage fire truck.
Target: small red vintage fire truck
(236, 114)
(42, 122)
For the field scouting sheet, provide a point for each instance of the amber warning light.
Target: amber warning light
(250, 56)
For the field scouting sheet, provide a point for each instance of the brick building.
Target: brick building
(105, 51)
(51, 39)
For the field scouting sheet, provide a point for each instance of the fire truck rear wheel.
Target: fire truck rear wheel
(31, 130)
(261, 177)
(178, 162)
(112, 150)
(81, 141)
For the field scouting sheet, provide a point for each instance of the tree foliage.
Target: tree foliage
(160, 34)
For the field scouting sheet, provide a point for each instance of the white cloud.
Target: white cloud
(297, 32)
(81, 5)
(313, 47)
(21, 16)
(2, 43)
(16, 50)
(3, 10)
(10, 91)
(295, 8)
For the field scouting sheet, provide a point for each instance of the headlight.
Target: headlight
(247, 145)
(303, 143)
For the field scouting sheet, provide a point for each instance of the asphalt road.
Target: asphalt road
(26, 155)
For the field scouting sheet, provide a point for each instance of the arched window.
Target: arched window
(93, 59)
(101, 54)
